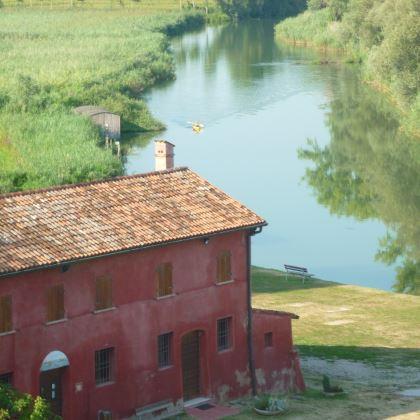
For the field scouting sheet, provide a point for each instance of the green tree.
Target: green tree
(16, 405)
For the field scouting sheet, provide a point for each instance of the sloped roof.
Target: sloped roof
(261, 311)
(52, 226)
(90, 110)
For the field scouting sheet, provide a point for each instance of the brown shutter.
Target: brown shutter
(219, 268)
(103, 298)
(228, 267)
(55, 303)
(108, 296)
(60, 302)
(164, 280)
(168, 278)
(224, 267)
(158, 280)
(5, 314)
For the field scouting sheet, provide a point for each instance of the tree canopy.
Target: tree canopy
(16, 405)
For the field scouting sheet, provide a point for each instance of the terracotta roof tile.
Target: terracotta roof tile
(47, 227)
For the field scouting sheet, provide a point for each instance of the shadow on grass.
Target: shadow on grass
(382, 356)
(270, 281)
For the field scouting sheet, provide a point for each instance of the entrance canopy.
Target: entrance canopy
(54, 360)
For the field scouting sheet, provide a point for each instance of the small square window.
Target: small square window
(224, 339)
(6, 378)
(268, 339)
(104, 361)
(165, 350)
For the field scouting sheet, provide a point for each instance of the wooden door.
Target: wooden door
(191, 365)
(50, 384)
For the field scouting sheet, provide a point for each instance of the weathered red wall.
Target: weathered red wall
(277, 368)
(133, 326)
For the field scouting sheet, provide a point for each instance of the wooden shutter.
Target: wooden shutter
(164, 279)
(103, 293)
(5, 314)
(55, 304)
(224, 267)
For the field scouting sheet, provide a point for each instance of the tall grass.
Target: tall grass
(56, 60)
(34, 156)
(146, 6)
(309, 28)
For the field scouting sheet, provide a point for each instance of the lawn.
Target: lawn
(365, 340)
(340, 320)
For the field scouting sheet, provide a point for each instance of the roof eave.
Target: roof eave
(132, 249)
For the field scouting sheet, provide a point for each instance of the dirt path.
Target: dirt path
(372, 392)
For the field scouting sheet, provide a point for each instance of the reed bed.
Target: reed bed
(52, 61)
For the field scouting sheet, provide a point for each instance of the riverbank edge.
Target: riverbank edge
(23, 167)
(341, 320)
(321, 42)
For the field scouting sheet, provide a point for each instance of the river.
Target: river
(260, 102)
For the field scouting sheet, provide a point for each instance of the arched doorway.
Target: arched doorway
(50, 382)
(191, 369)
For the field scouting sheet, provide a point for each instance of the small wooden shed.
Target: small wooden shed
(109, 122)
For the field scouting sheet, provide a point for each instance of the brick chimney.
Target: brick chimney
(164, 155)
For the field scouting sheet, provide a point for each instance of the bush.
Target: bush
(385, 35)
(15, 405)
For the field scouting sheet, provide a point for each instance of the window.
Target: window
(224, 334)
(104, 360)
(164, 279)
(55, 305)
(103, 298)
(6, 378)
(268, 339)
(165, 350)
(5, 314)
(224, 272)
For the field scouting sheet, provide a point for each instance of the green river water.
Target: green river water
(305, 144)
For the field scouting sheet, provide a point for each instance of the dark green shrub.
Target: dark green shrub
(16, 405)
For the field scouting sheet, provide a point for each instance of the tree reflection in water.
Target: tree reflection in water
(371, 169)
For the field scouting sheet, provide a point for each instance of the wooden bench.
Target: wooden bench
(293, 270)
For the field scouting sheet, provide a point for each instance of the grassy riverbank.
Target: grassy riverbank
(365, 339)
(344, 321)
(145, 6)
(382, 36)
(53, 61)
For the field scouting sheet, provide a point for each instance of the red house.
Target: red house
(133, 295)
